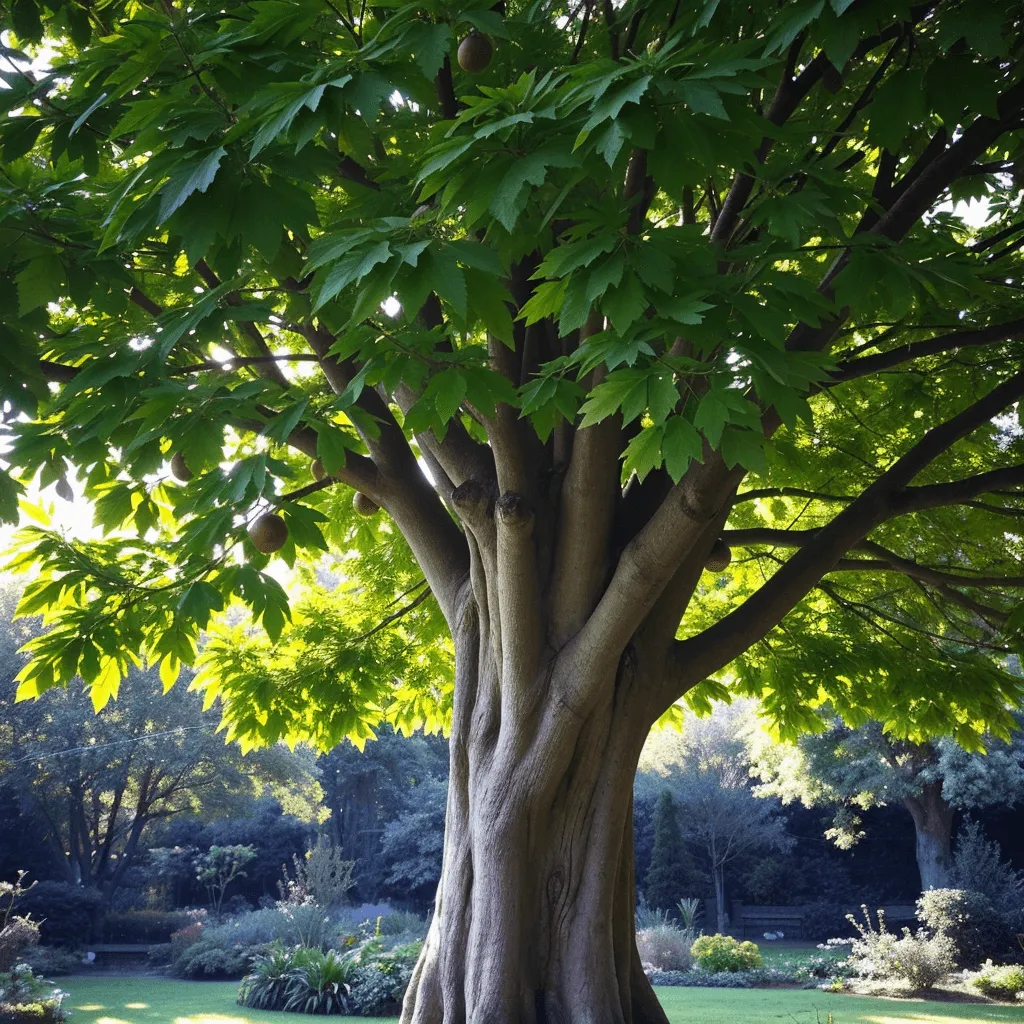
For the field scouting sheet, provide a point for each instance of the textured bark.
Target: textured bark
(534, 914)
(933, 825)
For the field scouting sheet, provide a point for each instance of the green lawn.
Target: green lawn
(159, 1001)
(163, 1001)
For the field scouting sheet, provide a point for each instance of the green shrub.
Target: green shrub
(977, 929)
(922, 959)
(160, 954)
(143, 926)
(301, 980)
(759, 978)
(16, 937)
(51, 961)
(319, 983)
(28, 999)
(381, 979)
(716, 953)
(264, 987)
(398, 922)
(209, 959)
(1001, 982)
(68, 915)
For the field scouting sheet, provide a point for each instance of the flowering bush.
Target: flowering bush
(717, 953)
(16, 936)
(665, 947)
(977, 929)
(920, 959)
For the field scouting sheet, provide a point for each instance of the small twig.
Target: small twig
(384, 623)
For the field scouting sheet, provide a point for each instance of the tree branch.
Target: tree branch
(590, 494)
(850, 369)
(716, 646)
(269, 367)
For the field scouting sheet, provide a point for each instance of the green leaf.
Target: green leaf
(643, 453)
(662, 396)
(447, 389)
(711, 417)
(39, 283)
(332, 447)
(680, 445)
(192, 177)
(624, 303)
(744, 448)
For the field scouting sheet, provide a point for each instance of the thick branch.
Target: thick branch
(716, 646)
(518, 603)
(590, 493)
(906, 567)
(850, 369)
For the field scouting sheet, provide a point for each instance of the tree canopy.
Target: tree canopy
(700, 267)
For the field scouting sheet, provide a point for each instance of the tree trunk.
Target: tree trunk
(719, 875)
(933, 824)
(533, 921)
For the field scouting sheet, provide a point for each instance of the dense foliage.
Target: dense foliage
(260, 181)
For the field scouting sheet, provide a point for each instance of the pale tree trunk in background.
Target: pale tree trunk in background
(933, 827)
(719, 876)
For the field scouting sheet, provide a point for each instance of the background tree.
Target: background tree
(659, 284)
(218, 868)
(864, 767)
(412, 845)
(707, 769)
(367, 790)
(94, 786)
(671, 874)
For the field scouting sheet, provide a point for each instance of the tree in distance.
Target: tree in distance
(672, 873)
(863, 767)
(690, 274)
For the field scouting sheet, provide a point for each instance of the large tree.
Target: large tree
(851, 768)
(652, 283)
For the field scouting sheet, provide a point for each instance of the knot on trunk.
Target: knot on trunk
(472, 501)
(512, 511)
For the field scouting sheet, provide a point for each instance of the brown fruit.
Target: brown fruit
(64, 488)
(268, 533)
(719, 558)
(179, 467)
(364, 505)
(475, 52)
(317, 469)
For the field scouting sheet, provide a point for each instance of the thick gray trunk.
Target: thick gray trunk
(933, 825)
(533, 921)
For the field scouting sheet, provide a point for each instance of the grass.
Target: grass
(161, 1001)
(801, 1006)
(164, 1001)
